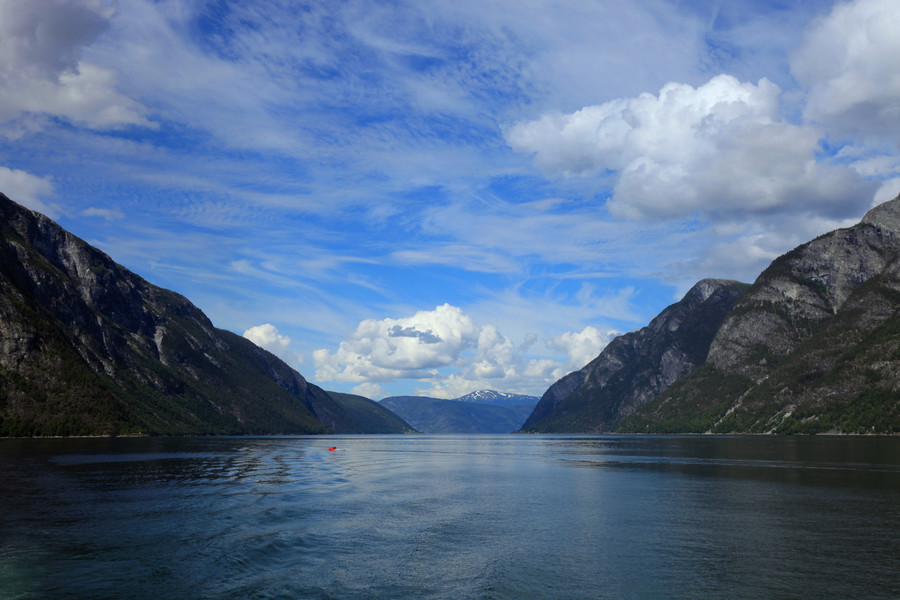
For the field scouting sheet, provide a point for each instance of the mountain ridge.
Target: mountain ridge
(90, 348)
(636, 366)
(438, 415)
(497, 398)
(812, 346)
(371, 416)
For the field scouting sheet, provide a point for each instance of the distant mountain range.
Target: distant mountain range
(479, 412)
(813, 346)
(498, 398)
(89, 348)
(370, 416)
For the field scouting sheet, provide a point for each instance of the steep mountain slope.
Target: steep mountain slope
(811, 347)
(433, 415)
(636, 366)
(370, 416)
(87, 347)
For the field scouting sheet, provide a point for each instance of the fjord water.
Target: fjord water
(492, 516)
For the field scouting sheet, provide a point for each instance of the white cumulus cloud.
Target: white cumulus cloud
(42, 74)
(369, 390)
(480, 356)
(396, 348)
(848, 62)
(27, 189)
(267, 336)
(581, 347)
(720, 149)
(888, 191)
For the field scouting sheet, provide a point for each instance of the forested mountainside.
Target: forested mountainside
(435, 415)
(370, 416)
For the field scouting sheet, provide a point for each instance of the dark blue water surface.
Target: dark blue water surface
(502, 516)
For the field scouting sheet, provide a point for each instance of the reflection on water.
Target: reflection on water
(501, 516)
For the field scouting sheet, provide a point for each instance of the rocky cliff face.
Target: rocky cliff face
(801, 289)
(87, 347)
(637, 366)
(812, 346)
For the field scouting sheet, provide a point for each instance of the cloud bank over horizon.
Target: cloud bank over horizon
(423, 346)
(441, 197)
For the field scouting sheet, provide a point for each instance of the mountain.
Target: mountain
(635, 367)
(370, 416)
(812, 347)
(498, 398)
(89, 348)
(434, 415)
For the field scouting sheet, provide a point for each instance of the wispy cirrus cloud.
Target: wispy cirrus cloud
(554, 171)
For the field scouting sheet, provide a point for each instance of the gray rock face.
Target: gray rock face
(637, 366)
(885, 216)
(553, 397)
(87, 347)
(812, 347)
(801, 289)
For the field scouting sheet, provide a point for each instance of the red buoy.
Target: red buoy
(332, 449)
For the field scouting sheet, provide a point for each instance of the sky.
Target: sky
(432, 197)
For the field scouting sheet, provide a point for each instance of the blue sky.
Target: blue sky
(434, 197)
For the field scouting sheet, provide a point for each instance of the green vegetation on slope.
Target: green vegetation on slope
(692, 404)
(89, 348)
(433, 415)
(370, 416)
(843, 378)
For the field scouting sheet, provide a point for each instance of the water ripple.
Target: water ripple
(450, 517)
